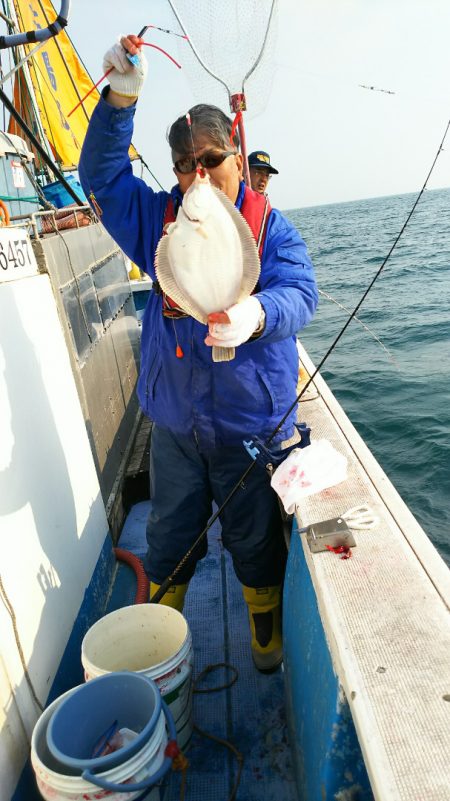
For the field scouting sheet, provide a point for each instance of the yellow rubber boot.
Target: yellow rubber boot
(174, 597)
(135, 273)
(265, 625)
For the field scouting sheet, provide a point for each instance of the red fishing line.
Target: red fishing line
(148, 44)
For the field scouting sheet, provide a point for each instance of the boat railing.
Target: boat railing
(52, 221)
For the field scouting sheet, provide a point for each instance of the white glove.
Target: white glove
(125, 79)
(245, 318)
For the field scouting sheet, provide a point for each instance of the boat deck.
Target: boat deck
(367, 643)
(251, 713)
(385, 621)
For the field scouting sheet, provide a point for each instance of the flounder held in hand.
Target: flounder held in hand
(208, 261)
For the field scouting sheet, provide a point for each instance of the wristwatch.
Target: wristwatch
(261, 324)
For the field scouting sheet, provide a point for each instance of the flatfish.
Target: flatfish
(208, 259)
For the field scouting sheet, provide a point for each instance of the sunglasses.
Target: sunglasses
(209, 160)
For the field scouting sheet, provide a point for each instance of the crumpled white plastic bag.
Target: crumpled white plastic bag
(307, 471)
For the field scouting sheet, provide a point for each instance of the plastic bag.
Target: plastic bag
(307, 471)
(114, 740)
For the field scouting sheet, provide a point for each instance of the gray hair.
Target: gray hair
(207, 120)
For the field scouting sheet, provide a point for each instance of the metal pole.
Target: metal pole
(48, 161)
(238, 105)
(244, 151)
(21, 63)
(30, 88)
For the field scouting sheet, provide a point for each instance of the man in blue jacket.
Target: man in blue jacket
(203, 410)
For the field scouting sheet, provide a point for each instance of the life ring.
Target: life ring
(4, 214)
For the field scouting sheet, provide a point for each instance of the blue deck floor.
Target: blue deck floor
(250, 714)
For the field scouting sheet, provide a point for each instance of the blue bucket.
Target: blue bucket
(142, 771)
(59, 196)
(89, 716)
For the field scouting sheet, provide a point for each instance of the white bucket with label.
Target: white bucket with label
(57, 782)
(151, 639)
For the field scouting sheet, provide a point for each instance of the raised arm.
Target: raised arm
(130, 210)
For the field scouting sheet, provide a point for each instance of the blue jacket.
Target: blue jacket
(219, 403)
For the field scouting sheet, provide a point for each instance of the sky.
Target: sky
(330, 139)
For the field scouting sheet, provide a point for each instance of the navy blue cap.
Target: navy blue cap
(259, 158)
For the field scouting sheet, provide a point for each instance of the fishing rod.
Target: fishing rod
(167, 583)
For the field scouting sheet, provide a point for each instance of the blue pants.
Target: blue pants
(183, 485)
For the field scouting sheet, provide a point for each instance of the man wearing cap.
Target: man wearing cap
(260, 170)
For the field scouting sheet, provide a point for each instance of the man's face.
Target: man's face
(226, 176)
(259, 178)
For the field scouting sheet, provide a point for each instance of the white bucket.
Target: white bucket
(56, 785)
(151, 639)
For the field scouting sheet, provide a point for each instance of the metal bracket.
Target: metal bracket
(333, 533)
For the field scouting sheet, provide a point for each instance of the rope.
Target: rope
(180, 763)
(208, 670)
(31, 199)
(10, 609)
(226, 744)
(234, 751)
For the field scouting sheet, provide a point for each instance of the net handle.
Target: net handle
(238, 106)
(243, 142)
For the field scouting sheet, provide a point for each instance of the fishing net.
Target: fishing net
(231, 49)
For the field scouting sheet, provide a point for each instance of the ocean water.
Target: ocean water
(398, 401)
